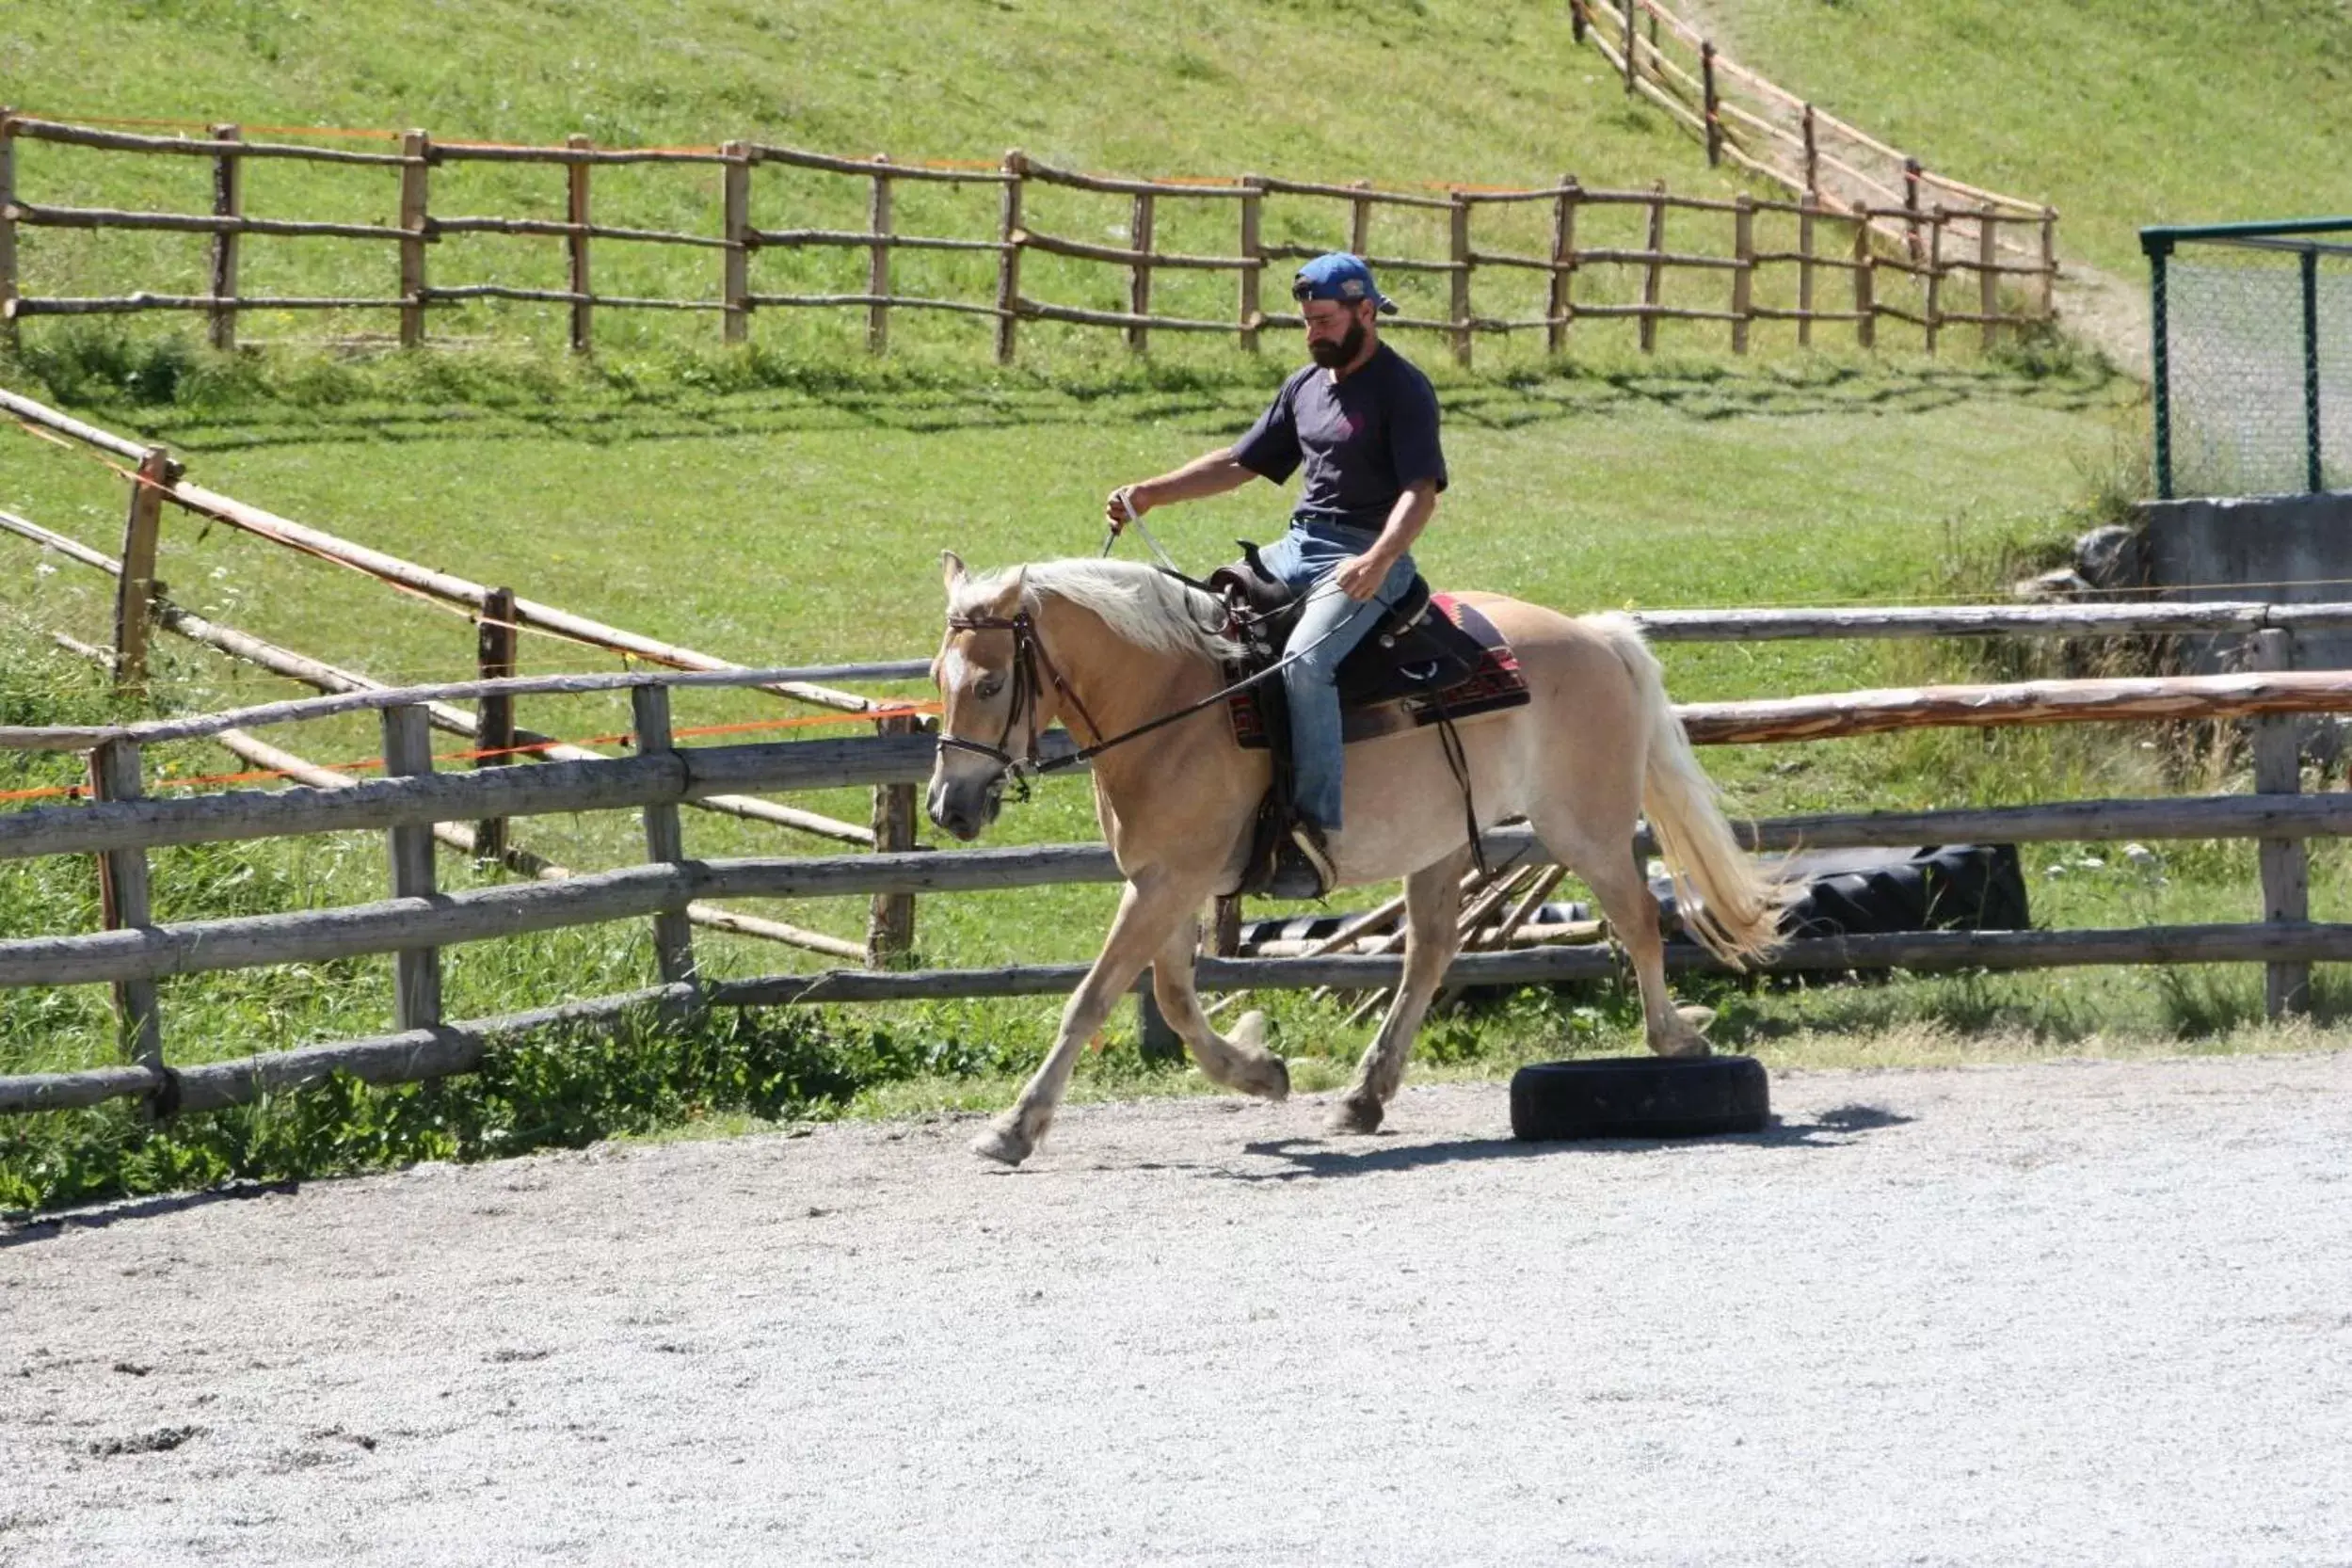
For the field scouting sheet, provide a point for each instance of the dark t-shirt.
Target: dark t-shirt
(1362, 440)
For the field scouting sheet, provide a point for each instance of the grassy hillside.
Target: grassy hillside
(2118, 112)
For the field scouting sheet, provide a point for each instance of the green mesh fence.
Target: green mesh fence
(2253, 357)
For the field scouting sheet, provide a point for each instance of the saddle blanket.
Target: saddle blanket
(1495, 683)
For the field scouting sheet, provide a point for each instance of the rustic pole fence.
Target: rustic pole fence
(416, 970)
(735, 261)
(1252, 259)
(2284, 863)
(7, 227)
(123, 903)
(1654, 269)
(229, 203)
(496, 642)
(576, 244)
(415, 218)
(1141, 223)
(878, 259)
(1560, 307)
(141, 531)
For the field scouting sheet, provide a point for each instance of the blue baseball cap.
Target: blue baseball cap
(1337, 275)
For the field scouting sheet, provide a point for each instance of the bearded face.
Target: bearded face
(1331, 353)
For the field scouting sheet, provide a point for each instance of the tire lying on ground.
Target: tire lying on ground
(1639, 1096)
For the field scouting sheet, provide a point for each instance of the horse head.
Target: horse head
(990, 707)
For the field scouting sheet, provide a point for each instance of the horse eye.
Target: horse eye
(989, 685)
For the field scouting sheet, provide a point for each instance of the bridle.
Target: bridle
(1029, 657)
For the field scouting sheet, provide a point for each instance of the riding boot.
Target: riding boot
(1306, 866)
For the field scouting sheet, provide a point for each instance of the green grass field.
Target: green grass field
(787, 503)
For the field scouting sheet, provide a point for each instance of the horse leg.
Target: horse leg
(1150, 910)
(1240, 1062)
(1623, 894)
(1433, 899)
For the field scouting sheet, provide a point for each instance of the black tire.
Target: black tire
(1639, 1096)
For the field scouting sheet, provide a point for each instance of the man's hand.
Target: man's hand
(1361, 576)
(1115, 505)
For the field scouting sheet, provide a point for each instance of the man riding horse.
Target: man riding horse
(1361, 421)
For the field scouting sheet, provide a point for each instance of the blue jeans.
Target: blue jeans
(1303, 559)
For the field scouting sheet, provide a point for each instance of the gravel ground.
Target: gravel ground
(2068, 1313)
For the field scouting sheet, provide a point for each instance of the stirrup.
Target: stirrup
(1303, 867)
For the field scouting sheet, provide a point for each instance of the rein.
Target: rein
(1029, 656)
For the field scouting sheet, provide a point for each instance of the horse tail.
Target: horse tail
(1726, 900)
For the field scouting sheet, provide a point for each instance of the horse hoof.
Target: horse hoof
(1002, 1144)
(1355, 1118)
(1700, 1019)
(1278, 1085)
(1691, 1044)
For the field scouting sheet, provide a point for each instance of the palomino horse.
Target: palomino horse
(1108, 646)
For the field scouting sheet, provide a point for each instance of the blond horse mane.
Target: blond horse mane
(1140, 604)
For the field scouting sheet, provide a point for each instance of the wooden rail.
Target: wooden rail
(1979, 224)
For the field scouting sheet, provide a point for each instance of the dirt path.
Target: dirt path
(2063, 1313)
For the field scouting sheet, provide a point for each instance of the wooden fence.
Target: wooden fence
(1746, 119)
(415, 805)
(1755, 260)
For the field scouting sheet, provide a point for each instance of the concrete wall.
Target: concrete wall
(2290, 550)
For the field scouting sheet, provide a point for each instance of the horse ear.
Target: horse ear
(952, 566)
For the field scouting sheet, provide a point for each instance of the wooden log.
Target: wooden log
(120, 142)
(1561, 306)
(215, 224)
(1360, 190)
(500, 152)
(896, 301)
(1009, 259)
(7, 227)
(131, 303)
(1131, 255)
(135, 589)
(1252, 258)
(416, 970)
(1459, 232)
(1812, 155)
(890, 919)
(1925, 952)
(665, 839)
(1113, 186)
(457, 590)
(1379, 264)
(416, 151)
(878, 260)
(1866, 306)
(564, 297)
(735, 267)
(1654, 258)
(1038, 311)
(1139, 227)
(1804, 269)
(1652, 277)
(557, 228)
(576, 246)
(494, 649)
(769, 152)
(1627, 36)
(123, 903)
(1935, 279)
(1743, 280)
(2284, 863)
(1910, 209)
(229, 203)
(864, 239)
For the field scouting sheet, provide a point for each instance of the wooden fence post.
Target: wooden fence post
(228, 202)
(1626, 16)
(1654, 274)
(1812, 155)
(495, 644)
(878, 260)
(416, 148)
(1935, 278)
(1865, 303)
(7, 227)
(1743, 279)
(122, 902)
(1561, 305)
(1988, 278)
(1713, 109)
(2049, 260)
(890, 918)
(2285, 870)
(135, 590)
(1911, 207)
(664, 839)
(735, 273)
(1009, 259)
(1576, 20)
(1461, 276)
(1360, 221)
(576, 209)
(1139, 224)
(416, 972)
(1807, 205)
(1252, 259)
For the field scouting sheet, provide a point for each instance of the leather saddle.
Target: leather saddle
(1411, 652)
(1411, 660)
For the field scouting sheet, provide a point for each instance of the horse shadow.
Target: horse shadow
(1315, 1159)
(20, 1232)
